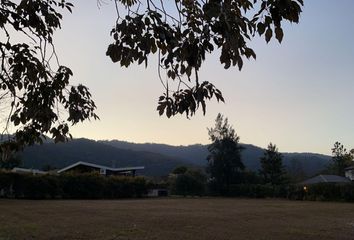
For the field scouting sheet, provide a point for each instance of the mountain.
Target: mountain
(158, 159)
(195, 154)
(309, 163)
(63, 154)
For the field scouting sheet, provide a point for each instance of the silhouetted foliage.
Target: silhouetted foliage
(224, 159)
(184, 32)
(272, 169)
(33, 84)
(36, 86)
(340, 159)
(180, 170)
(9, 162)
(189, 183)
(250, 177)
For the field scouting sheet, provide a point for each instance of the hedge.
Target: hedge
(259, 191)
(95, 186)
(317, 192)
(190, 183)
(70, 186)
(330, 192)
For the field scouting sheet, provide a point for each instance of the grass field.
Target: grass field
(184, 219)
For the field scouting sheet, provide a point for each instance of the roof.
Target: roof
(326, 179)
(100, 167)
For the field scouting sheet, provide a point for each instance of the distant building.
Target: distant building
(28, 170)
(157, 192)
(349, 173)
(325, 179)
(85, 167)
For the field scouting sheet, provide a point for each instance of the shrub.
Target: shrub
(191, 183)
(79, 186)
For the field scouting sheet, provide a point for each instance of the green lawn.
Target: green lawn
(184, 219)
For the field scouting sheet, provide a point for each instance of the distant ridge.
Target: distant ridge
(158, 159)
(63, 154)
(196, 154)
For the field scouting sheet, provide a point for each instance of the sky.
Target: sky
(297, 95)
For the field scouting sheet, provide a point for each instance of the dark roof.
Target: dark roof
(99, 167)
(349, 168)
(325, 179)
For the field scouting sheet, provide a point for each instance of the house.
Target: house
(83, 167)
(349, 173)
(325, 179)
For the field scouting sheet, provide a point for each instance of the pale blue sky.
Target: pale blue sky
(298, 95)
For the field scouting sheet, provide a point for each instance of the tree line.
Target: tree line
(225, 172)
(225, 167)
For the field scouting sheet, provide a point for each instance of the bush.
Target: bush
(70, 186)
(78, 186)
(125, 187)
(38, 187)
(8, 181)
(191, 183)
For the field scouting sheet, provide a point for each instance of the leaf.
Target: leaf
(250, 53)
(240, 63)
(268, 34)
(161, 107)
(227, 64)
(279, 34)
(153, 47)
(168, 111)
(203, 106)
(260, 28)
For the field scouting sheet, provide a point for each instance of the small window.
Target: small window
(103, 171)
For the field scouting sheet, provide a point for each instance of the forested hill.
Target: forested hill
(310, 163)
(158, 159)
(63, 154)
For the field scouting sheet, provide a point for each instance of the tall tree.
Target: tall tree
(340, 159)
(224, 159)
(272, 169)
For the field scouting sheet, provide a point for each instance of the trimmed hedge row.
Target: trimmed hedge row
(316, 192)
(259, 191)
(70, 186)
(95, 186)
(330, 192)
